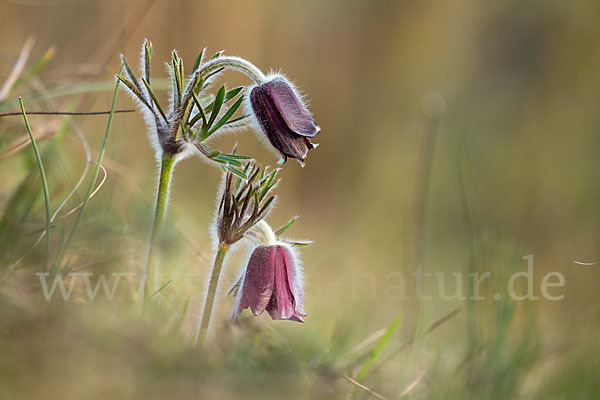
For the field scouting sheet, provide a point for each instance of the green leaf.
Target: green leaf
(207, 77)
(232, 93)
(181, 73)
(134, 90)
(236, 171)
(199, 59)
(154, 99)
(240, 157)
(226, 116)
(239, 182)
(287, 226)
(228, 96)
(237, 119)
(376, 352)
(216, 106)
(226, 160)
(200, 114)
(268, 185)
(131, 74)
(299, 243)
(147, 57)
(178, 80)
(265, 208)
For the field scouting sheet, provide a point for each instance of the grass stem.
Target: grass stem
(44, 183)
(92, 184)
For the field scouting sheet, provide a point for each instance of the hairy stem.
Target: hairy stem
(151, 273)
(235, 63)
(211, 293)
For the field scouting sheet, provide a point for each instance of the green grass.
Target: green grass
(110, 349)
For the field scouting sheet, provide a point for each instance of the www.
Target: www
(91, 292)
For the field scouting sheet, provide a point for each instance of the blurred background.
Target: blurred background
(460, 136)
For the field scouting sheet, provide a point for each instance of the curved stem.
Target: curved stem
(151, 272)
(236, 63)
(211, 293)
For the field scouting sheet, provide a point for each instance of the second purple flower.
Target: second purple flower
(272, 282)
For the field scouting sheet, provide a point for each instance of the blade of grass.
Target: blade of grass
(161, 288)
(366, 368)
(37, 68)
(94, 177)
(17, 69)
(467, 196)
(83, 88)
(44, 183)
(363, 387)
(407, 344)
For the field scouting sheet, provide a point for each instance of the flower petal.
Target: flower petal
(294, 281)
(281, 305)
(258, 280)
(291, 108)
(274, 119)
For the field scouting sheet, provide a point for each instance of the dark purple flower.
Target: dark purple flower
(283, 118)
(272, 282)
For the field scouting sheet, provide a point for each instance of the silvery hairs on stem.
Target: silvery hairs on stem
(274, 107)
(192, 117)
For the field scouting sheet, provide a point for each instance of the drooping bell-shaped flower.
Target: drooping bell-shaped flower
(272, 281)
(283, 117)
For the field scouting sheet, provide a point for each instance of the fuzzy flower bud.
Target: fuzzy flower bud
(283, 117)
(272, 281)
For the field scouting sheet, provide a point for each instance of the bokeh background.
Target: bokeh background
(457, 135)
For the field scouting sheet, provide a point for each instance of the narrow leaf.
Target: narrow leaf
(154, 99)
(200, 114)
(226, 116)
(147, 57)
(287, 226)
(40, 164)
(216, 106)
(134, 90)
(199, 59)
(378, 349)
(131, 74)
(236, 171)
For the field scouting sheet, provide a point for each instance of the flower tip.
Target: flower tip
(297, 318)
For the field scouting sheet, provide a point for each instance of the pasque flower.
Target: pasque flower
(243, 205)
(272, 281)
(283, 117)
